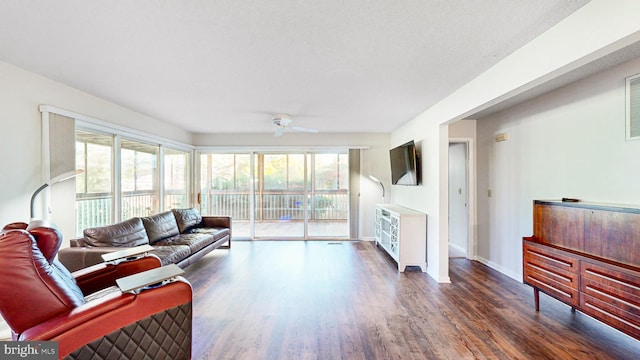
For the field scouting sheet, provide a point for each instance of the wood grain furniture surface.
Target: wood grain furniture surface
(587, 255)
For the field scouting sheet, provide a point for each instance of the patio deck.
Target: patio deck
(291, 229)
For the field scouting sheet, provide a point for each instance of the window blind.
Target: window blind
(633, 107)
(62, 151)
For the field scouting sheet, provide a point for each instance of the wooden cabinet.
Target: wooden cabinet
(402, 233)
(611, 294)
(588, 256)
(553, 271)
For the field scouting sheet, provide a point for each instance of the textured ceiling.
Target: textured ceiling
(228, 65)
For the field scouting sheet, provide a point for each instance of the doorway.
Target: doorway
(459, 200)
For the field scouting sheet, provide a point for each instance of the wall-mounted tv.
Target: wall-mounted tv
(404, 165)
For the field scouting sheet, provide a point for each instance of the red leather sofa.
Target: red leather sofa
(86, 312)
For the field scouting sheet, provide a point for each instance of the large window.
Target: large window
(225, 181)
(330, 186)
(176, 179)
(104, 196)
(331, 171)
(139, 179)
(94, 192)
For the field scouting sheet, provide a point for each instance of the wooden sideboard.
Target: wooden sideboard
(587, 255)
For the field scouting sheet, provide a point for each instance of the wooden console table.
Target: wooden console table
(587, 255)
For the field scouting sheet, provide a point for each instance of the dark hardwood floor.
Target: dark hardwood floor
(346, 300)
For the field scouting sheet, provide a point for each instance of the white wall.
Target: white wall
(432, 141)
(567, 143)
(463, 129)
(597, 29)
(21, 93)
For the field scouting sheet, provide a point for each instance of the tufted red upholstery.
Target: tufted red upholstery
(34, 283)
(41, 300)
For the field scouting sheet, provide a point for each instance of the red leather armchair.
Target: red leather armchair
(85, 312)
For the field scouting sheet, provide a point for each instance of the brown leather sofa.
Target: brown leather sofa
(179, 236)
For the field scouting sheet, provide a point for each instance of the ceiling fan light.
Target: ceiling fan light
(283, 122)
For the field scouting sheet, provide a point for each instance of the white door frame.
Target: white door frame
(471, 194)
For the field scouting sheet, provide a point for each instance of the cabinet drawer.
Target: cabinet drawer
(610, 314)
(611, 294)
(553, 271)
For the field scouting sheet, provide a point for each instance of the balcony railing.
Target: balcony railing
(95, 209)
(326, 205)
(92, 211)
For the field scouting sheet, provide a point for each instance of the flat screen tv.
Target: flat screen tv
(404, 165)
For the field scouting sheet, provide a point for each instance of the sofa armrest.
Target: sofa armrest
(104, 275)
(216, 221)
(78, 242)
(149, 279)
(76, 258)
(127, 254)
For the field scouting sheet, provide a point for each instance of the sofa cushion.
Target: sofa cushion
(160, 226)
(171, 254)
(195, 242)
(217, 233)
(187, 218)
(124, 234)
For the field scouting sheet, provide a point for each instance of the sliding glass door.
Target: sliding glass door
(294, 195)
(281, 196)
(329, 196)
(225, 189)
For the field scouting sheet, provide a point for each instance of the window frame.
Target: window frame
(90, 125)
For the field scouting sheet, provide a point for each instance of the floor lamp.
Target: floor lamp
(379, 182)
(62, 177)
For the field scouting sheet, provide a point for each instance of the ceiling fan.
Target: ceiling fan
(282, 123)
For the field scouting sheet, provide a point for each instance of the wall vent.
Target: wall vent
(633, 107)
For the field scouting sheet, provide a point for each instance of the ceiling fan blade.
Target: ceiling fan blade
(303, 129)
(283, 122)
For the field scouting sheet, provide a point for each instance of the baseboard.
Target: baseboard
(501, 269)
(368, 238)
(437, 277)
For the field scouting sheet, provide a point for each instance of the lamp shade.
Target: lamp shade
(379, 182)
(62, 177)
